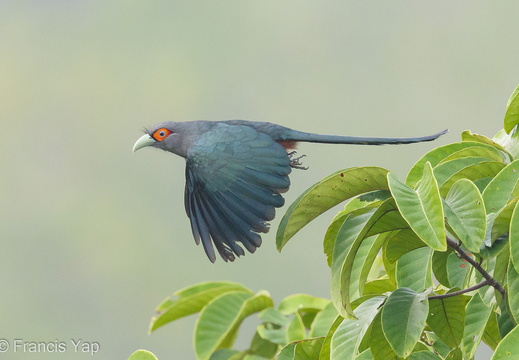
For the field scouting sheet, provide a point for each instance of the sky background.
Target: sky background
(94, 237)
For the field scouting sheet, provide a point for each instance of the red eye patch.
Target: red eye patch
(161, 134)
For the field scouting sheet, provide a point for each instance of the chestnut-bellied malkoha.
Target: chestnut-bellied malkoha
(236, 171)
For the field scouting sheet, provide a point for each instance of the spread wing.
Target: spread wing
(234, 177)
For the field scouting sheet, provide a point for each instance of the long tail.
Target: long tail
(338, 139)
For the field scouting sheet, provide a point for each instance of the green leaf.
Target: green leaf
(509, 347)
(476, 317)
(498, 224)
(458, 271)
(512, 287)
(273, 334)
(379, 287)
(505, 320)
(287, 353)
(438, 346)
(491, 336)
(386, 218)
(348, 336)
(365, 355)
(512, 112)
(424, 355)
(435, 156)
(338, 220)
(401, 243)
(274, 316)
(263, 347)
(327, 193)
(331, 234)
(398, 243)
(497, 248)
(512, 97)
(227, 354)
(308, 349)
(508, 141)
(498, 229)
(296, 329)
(499, 190)
(294, 303)
(468, 136)
(323, 321)
(356, 229)
(414, 269)
(483, 171)
(439, 266)
(210, 285)
(445, 170)
(446, 318)
(280, 328)
(366, 199)
(494, 152)
(502, 261)
(347, 237)
(326, 349)
(421, 208)
(362, 263)
(490, 226)
(465, 212)
(219, 321)
(142, 355)
(403, 319)
(249, 357)
(487, 293)
(514, 237)
(455, 354)
(379, 345)
(191, 300)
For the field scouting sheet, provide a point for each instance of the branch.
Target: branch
(489, 280)
(459, 292)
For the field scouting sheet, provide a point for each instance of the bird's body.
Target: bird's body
(236, 171)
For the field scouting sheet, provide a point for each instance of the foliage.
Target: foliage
(142, 355)
(425, 268)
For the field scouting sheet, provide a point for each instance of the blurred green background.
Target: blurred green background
(93, 237)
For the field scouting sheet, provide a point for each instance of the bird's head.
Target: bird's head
(169, 136)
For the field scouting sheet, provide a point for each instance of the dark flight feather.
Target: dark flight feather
(230, 196)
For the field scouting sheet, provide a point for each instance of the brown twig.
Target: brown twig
(489, 280)
(459, 292)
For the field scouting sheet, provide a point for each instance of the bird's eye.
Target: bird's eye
(161, 134)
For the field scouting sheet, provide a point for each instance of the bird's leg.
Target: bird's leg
(295, 161)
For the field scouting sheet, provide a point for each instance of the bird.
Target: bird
(236, 172)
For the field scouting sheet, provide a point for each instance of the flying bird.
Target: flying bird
(236, 171)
